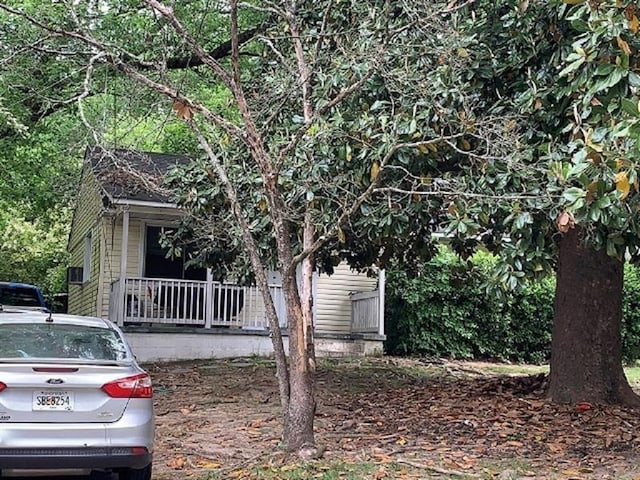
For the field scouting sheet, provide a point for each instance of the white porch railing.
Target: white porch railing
(365, 312)
(154, 301)
(191, 303)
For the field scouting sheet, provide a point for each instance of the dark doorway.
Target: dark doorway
(157, 265)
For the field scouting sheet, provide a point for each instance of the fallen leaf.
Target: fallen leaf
(177, 463)
(584, 406)
(380, 473)
(565, 222)
(183, 111)
(622, 184)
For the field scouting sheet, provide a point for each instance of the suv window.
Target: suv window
(20, 296)
(27, 297)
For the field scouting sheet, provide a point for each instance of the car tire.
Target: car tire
(135, 473)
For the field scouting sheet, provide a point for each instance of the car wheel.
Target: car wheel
(135, 473)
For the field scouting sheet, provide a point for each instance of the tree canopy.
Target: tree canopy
(569, 75)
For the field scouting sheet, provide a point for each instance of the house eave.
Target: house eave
(144, 203)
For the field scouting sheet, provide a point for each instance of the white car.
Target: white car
(72, 397)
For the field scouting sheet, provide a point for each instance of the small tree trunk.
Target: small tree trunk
(298, 432)
(308, 267)
(586, 348)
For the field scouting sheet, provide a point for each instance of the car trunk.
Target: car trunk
(60, 393)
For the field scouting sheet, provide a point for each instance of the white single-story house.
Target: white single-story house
(170, 311)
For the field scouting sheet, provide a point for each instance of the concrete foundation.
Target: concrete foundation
(169, 344)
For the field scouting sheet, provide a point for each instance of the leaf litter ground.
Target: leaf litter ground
(407, 418)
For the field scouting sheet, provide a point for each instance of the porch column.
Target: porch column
(381, 286)
(314, 301)
(208, 299)
(123, 266)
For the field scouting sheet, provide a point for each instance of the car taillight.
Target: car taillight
(2, 386)
(137, 386)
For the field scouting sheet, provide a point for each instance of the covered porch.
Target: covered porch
(192, 315)
(149, 302)
(168, 319)
(154, 296)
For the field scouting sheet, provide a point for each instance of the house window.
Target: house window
(86, 264)
(157, 265)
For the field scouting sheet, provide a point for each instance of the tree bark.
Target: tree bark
(298, 432)
(586, 346)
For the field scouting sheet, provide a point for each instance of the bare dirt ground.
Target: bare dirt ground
(445, 420)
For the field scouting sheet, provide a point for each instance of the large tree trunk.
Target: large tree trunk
(586, 348)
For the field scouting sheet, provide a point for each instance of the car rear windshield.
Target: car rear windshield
(61, 341)
(19, 296)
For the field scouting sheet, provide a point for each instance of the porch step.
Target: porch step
(343, 348)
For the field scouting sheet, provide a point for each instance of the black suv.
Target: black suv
(22, 295)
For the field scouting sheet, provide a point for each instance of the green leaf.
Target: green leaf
(577, 169)
(605, 69)
(630, 106)
(616, 76)
(612, 250)
(574, 193)
(572, 67)
(623, 129)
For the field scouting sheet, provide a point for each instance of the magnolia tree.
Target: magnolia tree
(312, 124)
(570, 71)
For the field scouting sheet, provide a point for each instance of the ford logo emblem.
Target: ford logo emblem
(55, 381)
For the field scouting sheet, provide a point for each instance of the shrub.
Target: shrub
(631, 314)
(447, 312)
(33, 252)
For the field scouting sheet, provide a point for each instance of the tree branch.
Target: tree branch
(39, 109)
(463, 194)
(221, 51)
(373, 187)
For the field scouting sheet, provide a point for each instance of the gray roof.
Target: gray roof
(130, 175)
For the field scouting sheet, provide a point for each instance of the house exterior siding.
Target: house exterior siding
(332, 299)
(83, 298)
(112, 233)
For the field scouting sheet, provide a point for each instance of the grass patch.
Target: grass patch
(321, 470)
(513, 369)
(633, 375)
(361, 375)
(340, 470)
(632, 372)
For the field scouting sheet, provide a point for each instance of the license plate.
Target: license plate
(53, 401)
